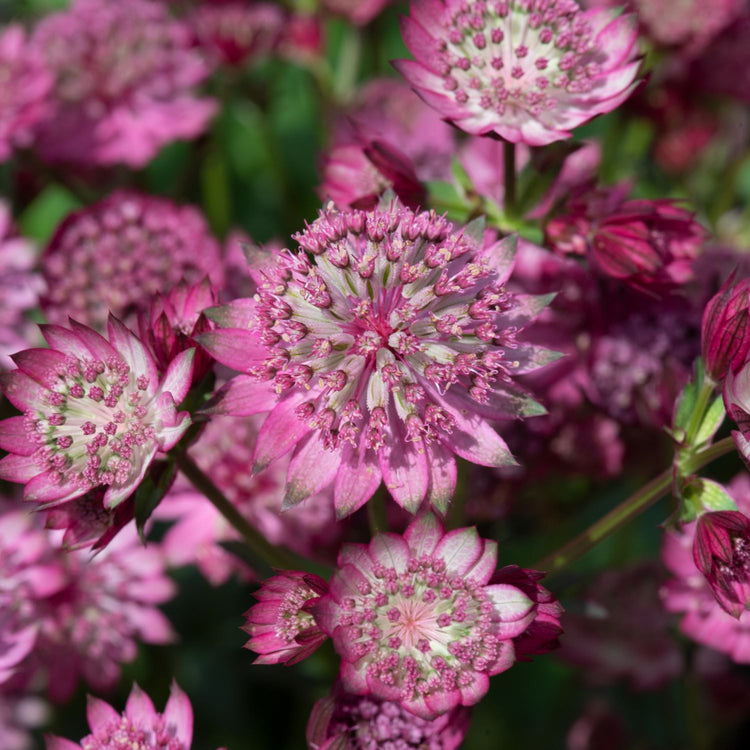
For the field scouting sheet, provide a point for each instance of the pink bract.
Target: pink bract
(124, 75)
(570, 66)
(416, 620)
(689, 593)
(21, 286)
(380, 355)
(23, 95)
(340, 719)
(95, 413)
(737, 403)
(281, 628)
(119, 253)
(140, 727)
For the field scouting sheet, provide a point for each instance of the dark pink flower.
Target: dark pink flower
(716, 70)
(225, 452)
(21, 286)
(95, 413)
(527, 71)
(359, 12)
(124, 78)
(372, 723)
(725, 332)
(175, 320)
(650, 244)
(119, 253)
(380, 355)
(416, 620)
(235, 33)
(23, 95)
(281, 628)
(721, 552)
(737, 403)
(704, 619)
(140, 727)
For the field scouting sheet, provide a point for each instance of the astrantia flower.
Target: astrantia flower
(370, 723)
(650, 244)
(224, 452)
(95, 413)
(721, 552)
(140, 727)
(21, 286)
(737, 403)
(118, 254)
(381, 355)
(235, 33)
(415, 621)
(281, 628)
(124, 74)
(526, 70)
(704, 619)
(23, 94)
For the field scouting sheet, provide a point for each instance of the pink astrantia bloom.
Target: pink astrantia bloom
(650, 244)
(280, 626)
(23, 96)
(21, 286)
(721, 552)
(175, 319)
(725, 331)
(526, 71)
(224, 452)
(119, 253)
(359, 12)
(380, 355)
(690, 594)
(95, 413)
(416, 620)
(235, 33)
(124, 74)
(140, 727)
(342, 720)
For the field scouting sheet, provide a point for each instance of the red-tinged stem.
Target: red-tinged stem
(629, 509)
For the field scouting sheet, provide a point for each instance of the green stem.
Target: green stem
(274, 556)
(699, 411)
(627, 510)
(509, 172)
(347, 66)
(376, 512)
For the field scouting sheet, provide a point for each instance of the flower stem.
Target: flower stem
(627, 511)
(376, 512)
(509, 172)
(274, 556)
(699, 411)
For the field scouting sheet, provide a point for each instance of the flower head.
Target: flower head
(415, 619)
(650, 244)
(374, 723)
(281, 628)
(21, 287)
(722, 553)
(140, 727)
(95, 413)
(526, 70)
(725, 332)
(382, 353)
(119, 253)
(23, 96)
(124, 74)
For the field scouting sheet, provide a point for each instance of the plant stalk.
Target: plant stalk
(509, 173)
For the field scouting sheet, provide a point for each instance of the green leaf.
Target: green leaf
(46, 211)
(151, 491)
(444, 197)
(704, 495)
(461, 177)
(687, 400)
(711, 421)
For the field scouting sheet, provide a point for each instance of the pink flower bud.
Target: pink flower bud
(725, 335)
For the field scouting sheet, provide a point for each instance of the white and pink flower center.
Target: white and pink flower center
(389, 313)
(421, 631)
(95, 424)
(124, 735)
(524, 54)
(290, 619)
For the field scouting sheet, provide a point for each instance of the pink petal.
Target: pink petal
(52, 742)
(312, 468)
(130, 348)
(237, 348)
(423, 535)
(13, 437)
(417, 40)
(100, 714)
(404, 468)
(65, 341)
(43, 489)
(21, 390)
(239, 313)
(474, 692)
(178, 715)
(390, 550)
(179, 375)
(139, 708)
(460, 549)
(281, 430)
(21, 469)
(443, 701)
(441, 466)
(484, 567)
(357, 479)
(242, 396)
(40, 364)
(511, 604)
